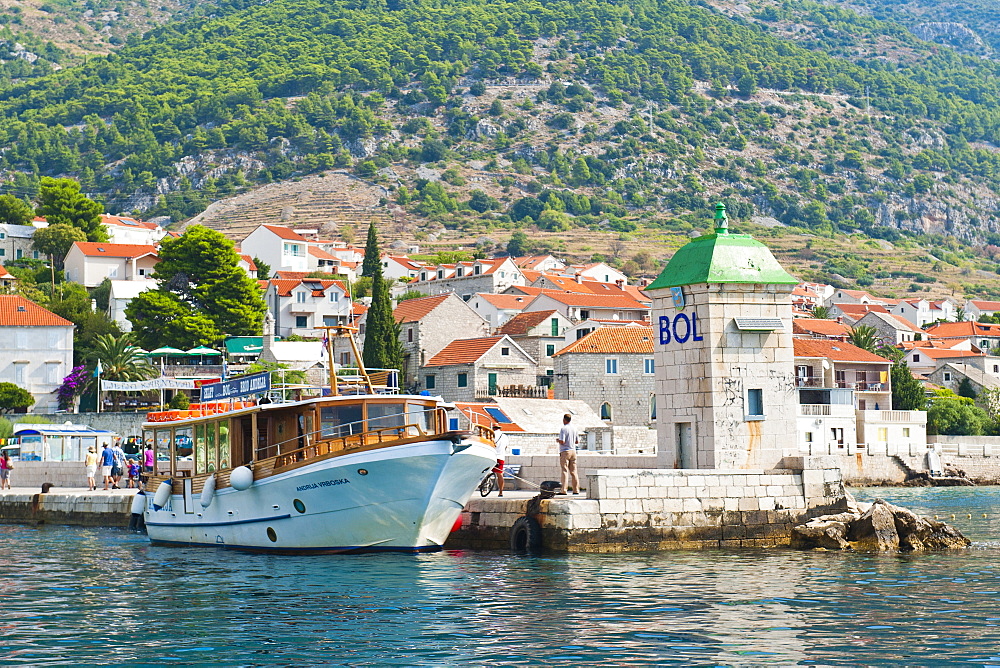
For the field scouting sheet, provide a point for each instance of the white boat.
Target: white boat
(356, 472)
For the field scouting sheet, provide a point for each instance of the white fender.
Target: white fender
(208, 491)
(139, 503)
(162, 495)
(241, 478)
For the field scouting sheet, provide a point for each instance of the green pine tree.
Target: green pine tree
(373, 259)
(907, 392)
(382, 348)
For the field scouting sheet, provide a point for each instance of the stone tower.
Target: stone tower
(725, 386)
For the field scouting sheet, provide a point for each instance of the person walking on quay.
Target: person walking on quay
(567, 441)
(91, 468)
(6, 466)
(148, 459)
(133, 474)
(118, 464)
(500, 441)
(107, 463)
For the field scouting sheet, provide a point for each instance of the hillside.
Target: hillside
(578, 120)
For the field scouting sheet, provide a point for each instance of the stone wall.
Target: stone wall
(634, 510)
(82, 509)
(629, 392)
(64, 475)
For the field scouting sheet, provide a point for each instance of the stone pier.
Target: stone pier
(75, 507)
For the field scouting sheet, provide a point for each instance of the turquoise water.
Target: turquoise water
(91, 596)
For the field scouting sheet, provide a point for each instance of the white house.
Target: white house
(281, 248)
(498, 309)
(36, 350)
(597, 271)
(579, 306)
(976, 309)
(89, 263)
(128, 230)
(122, 292)
(400, 266)
(468, 278)
(301, 305)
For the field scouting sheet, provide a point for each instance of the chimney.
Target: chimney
(578, 277)
(840, 320)
(619, 282)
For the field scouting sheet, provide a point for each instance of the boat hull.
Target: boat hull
(400, 498)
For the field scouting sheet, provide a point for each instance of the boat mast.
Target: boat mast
(344, 332)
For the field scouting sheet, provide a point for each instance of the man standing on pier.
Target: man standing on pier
(107, 461)
(567, 441)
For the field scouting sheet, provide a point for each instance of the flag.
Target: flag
(98, 370)
(326, 342)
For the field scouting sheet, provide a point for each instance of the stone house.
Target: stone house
(925, 359)
(541, 334)
(892, 329)
(36, 350)
(849, 314)
(471, 369)
(951, 375)
(89, 263)
(584, 327)
(612, 370)
(15, 242)
(984, 336)
(428, 324)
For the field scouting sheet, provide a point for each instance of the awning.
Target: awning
(166, 350)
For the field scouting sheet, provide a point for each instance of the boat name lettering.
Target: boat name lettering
(238, 387)
(681, 328)
(322, 483)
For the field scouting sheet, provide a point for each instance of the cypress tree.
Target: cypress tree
(907, 392)
(372, 260)
(382, 347)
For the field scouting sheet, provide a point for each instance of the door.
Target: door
(685, 446)
(493, 383)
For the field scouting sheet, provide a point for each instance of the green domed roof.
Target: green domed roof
(722, 257)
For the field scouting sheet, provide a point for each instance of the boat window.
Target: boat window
(200, 451)
(224, 445)
(162, 440)
(341, 420)
(184, 443)
(148, 438)
(213, 455)
(382, 416)
(420, 415)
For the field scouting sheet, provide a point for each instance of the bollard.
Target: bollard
(46, 486)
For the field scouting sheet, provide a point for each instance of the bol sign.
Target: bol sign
(681, 329)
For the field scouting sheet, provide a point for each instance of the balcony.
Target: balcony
(826, 410)
(513, 391)
(302, 307)
(808, 381)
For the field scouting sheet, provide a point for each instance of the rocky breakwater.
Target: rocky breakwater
(876, 527)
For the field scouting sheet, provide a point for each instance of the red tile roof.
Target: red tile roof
(97, 249)
(413, 310)
(249, 260)
(940, 353)
(861, 309)
(596, 301)
(464, 351)
(284, 287)
(284, 232)
(613, 340)
(522, 323)
(5, 274)
(16, 311)
(819, 326)
(963, 329)
(125, 221)
(505, 301)
(838, 351)
(986, 306)
(320, 253)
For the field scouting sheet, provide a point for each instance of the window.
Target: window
(463, 380)
(301, 321)
(584, 314)
(550, 349)
(3, 252)
(429, 381)
(52, 375)
(335, 297)
(34, 255)
(20, 372)
(3, 235)
(345, 359)
(605, 411)
(883, 434)
(112, 271)
(837, 434)
(984, 343)
(142, 272)
(19, 254)
(906, 432)
(477, 270)
(300, 297)
(409, 335)
(647, 366)
(331, 320)
(505, 351)
(554, 323)
(466, 298)
(292, 249)
(755, 403)
(916, 357)
(611, 365)
(947, 376)
(652, 406)
(809, 437)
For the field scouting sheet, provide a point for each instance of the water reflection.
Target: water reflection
(88, 596)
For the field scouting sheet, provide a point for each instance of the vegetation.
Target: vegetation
(951, 414)
(907, 392)
(202, 296)
(121, 360)
(382, 346)
(14, 399)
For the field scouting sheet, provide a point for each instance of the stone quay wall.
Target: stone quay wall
(537, 468)
(63, 475)
(105, 509)
(122, 423)
(659, 509)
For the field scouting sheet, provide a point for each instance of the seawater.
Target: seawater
(95, 596)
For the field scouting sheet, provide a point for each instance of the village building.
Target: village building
(401, 267)
(922, 312)
(281, 248)
(597, 271)
(541, 334)
(301, 306)
(891, 329)
(540, 263)
(37, 350)
(581, 306)
(481, 368)
(951, 374)
(851, 297)
(128, 230)
(247, 264)
(467, 278)
(428, 324)
(15, 242)
(7, 280)
(121, 294)
(984, 336)
(850, 314)
(498, 308)
(976, 309)
(584, 327)
(923, 360)
(89, 263)
(612, 370)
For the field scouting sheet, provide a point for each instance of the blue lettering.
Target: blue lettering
(694, 328)
(664, 330)
(682, 317)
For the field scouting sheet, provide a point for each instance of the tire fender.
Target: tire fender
(526, 536)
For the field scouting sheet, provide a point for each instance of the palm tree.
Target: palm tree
(864, 336)
(121, 360)
(821, 312)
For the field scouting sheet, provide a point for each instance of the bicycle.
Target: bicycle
(488, 484)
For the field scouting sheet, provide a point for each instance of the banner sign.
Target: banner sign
(238, 387)
(162, 383)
